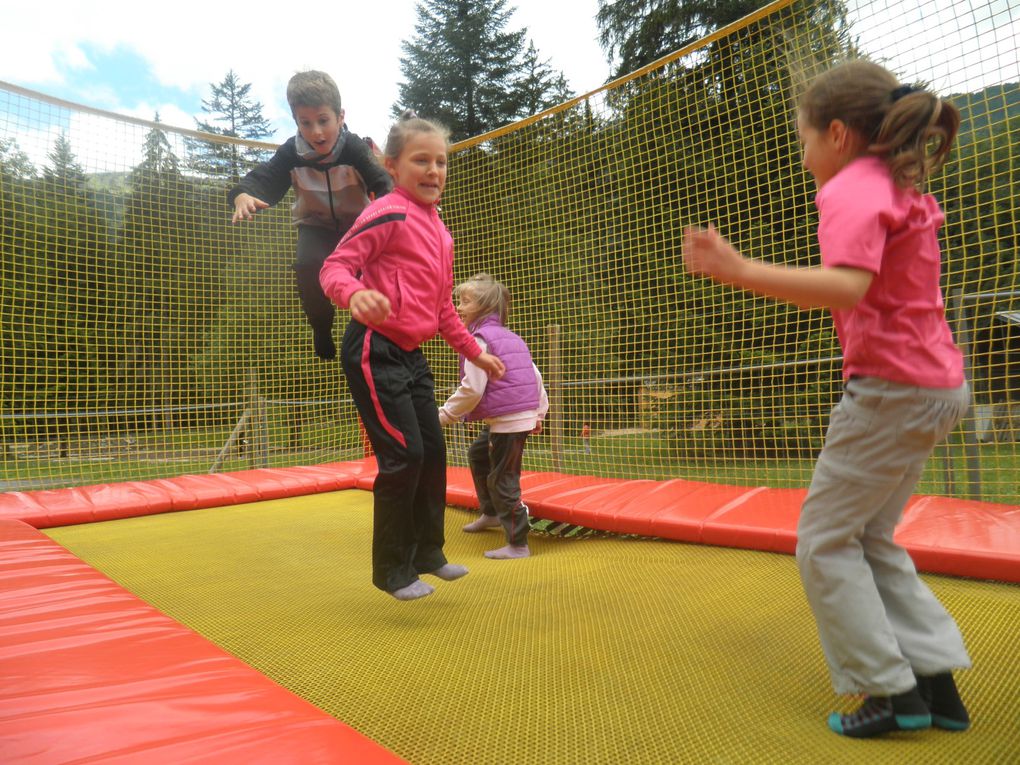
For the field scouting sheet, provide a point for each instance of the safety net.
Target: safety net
(143, 336)
(144, 340)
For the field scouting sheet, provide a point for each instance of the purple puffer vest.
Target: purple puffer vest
(517, 390)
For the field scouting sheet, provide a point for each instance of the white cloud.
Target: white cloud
(190, 44)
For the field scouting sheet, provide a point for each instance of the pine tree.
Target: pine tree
(466, 70)
(639, 31)
(64, 167)
(65, 253)
(541, 87)
(175, 284)
(159, 163)
(234, 115)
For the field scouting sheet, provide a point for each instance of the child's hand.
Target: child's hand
(370, 306)
(706, 252)
(537, 429)
(245, 207)
(490, 364)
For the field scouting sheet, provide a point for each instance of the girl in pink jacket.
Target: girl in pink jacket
(394, 271)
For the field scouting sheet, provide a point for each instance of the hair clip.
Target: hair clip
(902, 90)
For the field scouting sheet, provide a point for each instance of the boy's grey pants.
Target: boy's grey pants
(878, 622)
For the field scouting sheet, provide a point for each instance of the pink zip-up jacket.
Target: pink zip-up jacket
(401, 248)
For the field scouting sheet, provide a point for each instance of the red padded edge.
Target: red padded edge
(104, 502)
(677, 509)
(954, 536)
(367, 473)
(460, 489)
(761, 519)
(90, 673)
(944, 535)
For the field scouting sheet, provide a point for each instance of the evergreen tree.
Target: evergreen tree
(234, 115)
(62, 267)
(64, 167)
(159, 157)
(639, 31)
(160, 167)
(540, 86)
(175, 285)
(465, 69)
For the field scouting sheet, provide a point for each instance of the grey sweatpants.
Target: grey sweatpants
(878, 622)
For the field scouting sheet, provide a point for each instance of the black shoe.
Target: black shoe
(323, 341)
(943, 701)
(883, 714)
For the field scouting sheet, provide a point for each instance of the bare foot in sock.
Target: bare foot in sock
(449, 571)
(508, 552)
(413, 591)
(481, 523)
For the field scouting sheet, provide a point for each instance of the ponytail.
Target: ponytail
(916, 135)
(909, 127)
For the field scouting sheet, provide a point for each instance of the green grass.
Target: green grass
(642, 455)
(645, 456)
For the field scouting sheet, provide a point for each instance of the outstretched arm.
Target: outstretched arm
(266, 184)
(707, 253)
(245, 207)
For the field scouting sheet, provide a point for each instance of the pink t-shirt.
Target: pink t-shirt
(898, 330)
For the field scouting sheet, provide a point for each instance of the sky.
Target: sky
(139, 58)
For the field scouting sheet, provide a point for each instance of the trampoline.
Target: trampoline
(601, 648)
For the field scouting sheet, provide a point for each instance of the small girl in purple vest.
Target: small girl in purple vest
(512, 408)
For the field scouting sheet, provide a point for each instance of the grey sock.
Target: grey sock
(450, 571)
(481, 523)
(416, 589)
(509, 552)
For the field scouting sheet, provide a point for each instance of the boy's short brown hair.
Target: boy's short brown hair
(312, 88)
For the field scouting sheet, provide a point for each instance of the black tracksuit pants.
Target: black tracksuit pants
(395, 395)
(495, 460)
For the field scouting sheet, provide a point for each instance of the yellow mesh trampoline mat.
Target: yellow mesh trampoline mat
(597, 649)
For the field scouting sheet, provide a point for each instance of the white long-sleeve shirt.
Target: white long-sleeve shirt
(470, 391)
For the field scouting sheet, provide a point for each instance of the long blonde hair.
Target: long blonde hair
(490, 295)
(911, 128)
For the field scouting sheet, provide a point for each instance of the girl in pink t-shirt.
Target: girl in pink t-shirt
(871, 144)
